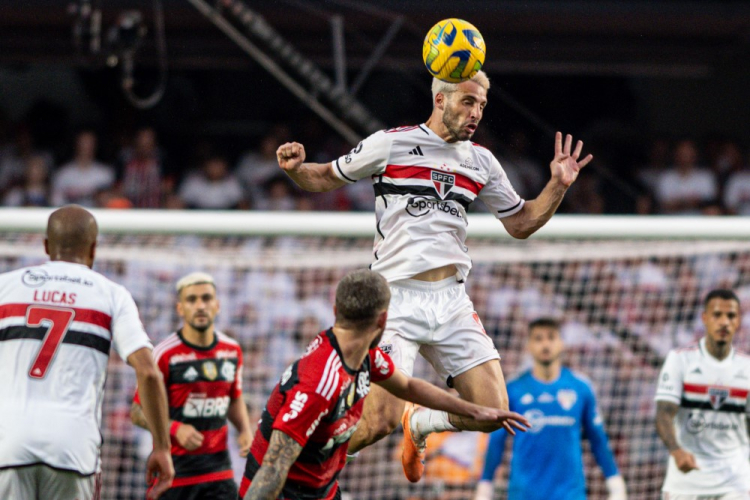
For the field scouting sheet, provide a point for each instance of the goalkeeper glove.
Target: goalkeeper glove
(616, 488)
(484, 491)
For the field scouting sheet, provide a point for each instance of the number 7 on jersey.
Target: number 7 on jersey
(57, 321)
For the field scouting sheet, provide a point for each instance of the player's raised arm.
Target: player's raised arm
(564, 168)
(316, 177)
(159, 467)
(269, 480)
(425, 394)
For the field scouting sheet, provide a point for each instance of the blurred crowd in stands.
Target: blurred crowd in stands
(680, 176)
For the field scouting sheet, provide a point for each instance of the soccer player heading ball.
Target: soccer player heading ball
(425, 177)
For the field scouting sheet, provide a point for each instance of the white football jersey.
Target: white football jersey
(423, 187)
(57, 323)
(710, 423)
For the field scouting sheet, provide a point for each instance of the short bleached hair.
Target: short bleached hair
(196, 278)
(445, 88)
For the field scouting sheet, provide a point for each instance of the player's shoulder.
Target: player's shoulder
(580, 379)
(227, 341)
(684, 352)
(481, 151)
(406, 130)
(518, 378)
(167, 346)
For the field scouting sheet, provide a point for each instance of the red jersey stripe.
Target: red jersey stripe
(703, 389)
(203, 478)
(90, 316)
(425, 173)
(213, 442)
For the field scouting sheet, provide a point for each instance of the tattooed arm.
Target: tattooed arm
(137, 416)
(281, 454)
(665, 413)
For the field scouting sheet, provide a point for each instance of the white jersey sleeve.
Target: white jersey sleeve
(498, 194)
(128, 334)
(369, 158)
(670, 387)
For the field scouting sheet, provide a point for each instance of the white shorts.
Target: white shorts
(437, 320)
(41, 481)
(739, 495)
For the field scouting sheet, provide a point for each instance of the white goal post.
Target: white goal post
(348, 224)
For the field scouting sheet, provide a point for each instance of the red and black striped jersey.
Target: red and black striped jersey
(318, 403)
(201, 383)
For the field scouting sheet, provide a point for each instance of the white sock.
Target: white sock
(425, 421)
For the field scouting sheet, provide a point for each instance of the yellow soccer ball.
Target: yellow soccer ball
(453, 50)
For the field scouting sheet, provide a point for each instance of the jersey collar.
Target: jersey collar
(198, 347)
(335, 344)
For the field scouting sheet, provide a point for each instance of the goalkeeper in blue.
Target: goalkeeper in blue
(547, 461)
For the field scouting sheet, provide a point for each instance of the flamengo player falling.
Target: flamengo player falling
(57, 324)
(703, 389)
(300, 446)
(202, 370)
(424, 178)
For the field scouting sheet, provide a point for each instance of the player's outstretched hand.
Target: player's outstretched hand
(684, 460)
(509, 419)
(245, 440)
(566, 165)
(159, 473)
(189, 437)
(290, 155)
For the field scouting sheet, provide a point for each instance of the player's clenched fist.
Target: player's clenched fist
(290, 155)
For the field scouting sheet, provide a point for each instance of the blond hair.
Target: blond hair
(196, 278)
(445, 88)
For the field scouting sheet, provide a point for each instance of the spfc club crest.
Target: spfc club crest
(209, 370)
(717, 396)
(567, 398)
(443, 183)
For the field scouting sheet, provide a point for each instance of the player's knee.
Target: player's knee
(382, 427)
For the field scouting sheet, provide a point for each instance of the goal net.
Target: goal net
(626, 292)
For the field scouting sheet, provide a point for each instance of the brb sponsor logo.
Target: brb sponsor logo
(420, 206)
(197, 405)
(295, 407)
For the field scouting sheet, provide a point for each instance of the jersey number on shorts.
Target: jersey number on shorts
(57, 322)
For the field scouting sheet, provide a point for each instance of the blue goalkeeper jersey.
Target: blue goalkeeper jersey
(547, 461)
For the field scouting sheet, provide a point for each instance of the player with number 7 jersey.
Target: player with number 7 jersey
(58, 321)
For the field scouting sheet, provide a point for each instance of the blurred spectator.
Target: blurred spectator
(34, 190)
(727, 161)
(80, 180)
(255, 168)
(279, 194)
(141, 170)
(14, 158)
(686, 188)
(737, 189)
(657, 162)
(214, 187)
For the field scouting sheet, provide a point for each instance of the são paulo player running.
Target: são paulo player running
(57, 324)
(301, 442)
(424, 178)
(202, 371)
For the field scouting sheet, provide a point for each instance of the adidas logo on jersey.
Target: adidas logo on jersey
(697, 370)
(416, 151)
(191, 374)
